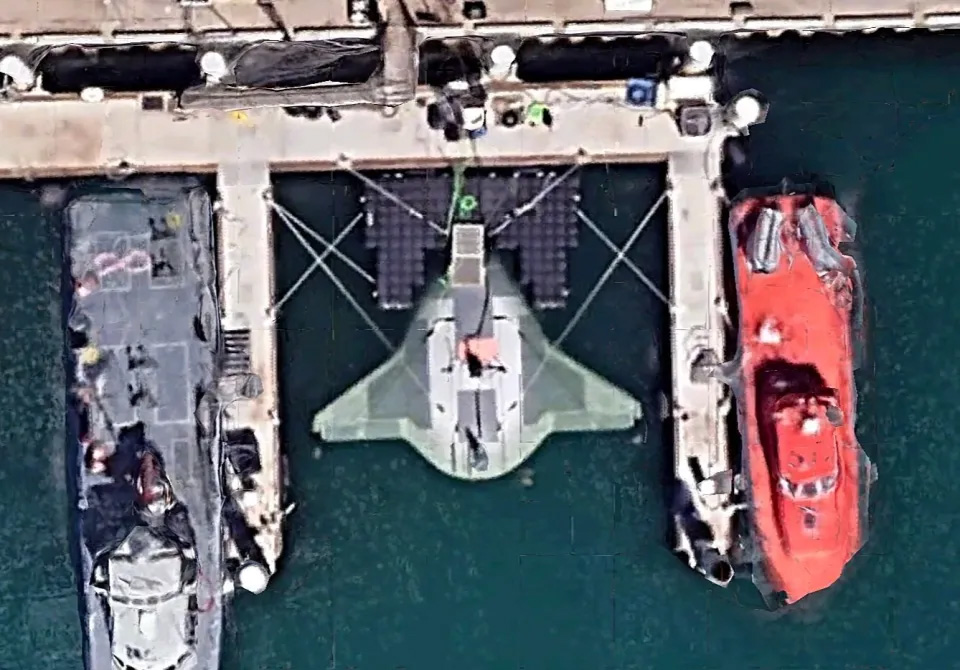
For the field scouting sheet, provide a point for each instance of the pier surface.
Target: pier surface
(97, 21)
(697, 336)
(246, 271)
(70, 137)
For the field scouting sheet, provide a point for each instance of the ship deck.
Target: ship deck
(141, 323)
(148, 20)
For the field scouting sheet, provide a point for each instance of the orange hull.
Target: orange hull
(805, 471)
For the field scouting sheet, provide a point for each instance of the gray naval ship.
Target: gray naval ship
(142, 332)
(476, 386)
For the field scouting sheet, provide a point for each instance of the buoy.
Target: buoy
(747, 110)
(502, 59)
(15, 68)
(700, 56)
(213, 66)
(253, 577)
(92, 94)
(467, 205)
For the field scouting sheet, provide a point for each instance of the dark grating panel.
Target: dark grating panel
(236, 352)
(541, 237)
(400, 239)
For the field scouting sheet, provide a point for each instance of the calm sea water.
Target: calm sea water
(390, 566)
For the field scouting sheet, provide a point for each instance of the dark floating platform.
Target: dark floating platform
(540, 237)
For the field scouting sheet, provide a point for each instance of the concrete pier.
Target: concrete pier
(250, 382)
(71, 137)
(138, 21)
(702, 463)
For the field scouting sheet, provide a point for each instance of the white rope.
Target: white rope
(396, 200)
(533, 202)
(626, 261)
(340, 286)
(290, 219)
(275, 309)
(371, 324)
(621, 254)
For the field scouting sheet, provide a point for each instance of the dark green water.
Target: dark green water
(389, 566)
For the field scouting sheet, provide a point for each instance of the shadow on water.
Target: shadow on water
(52, 197)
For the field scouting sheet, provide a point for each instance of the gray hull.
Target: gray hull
(143, 344)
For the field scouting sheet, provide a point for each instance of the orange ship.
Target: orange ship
(806, 477)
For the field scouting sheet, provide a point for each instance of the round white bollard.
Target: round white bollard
(253, 577)
(746, 111)
(92, 94)
(213, 66)
(701, 56)
(502, 59)
(15, 68)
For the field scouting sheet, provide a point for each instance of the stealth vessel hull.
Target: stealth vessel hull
(476, 386)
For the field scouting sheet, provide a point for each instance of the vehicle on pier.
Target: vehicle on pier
(806, 478)
(142, 339)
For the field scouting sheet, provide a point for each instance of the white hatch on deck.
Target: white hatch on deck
(466, 264)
